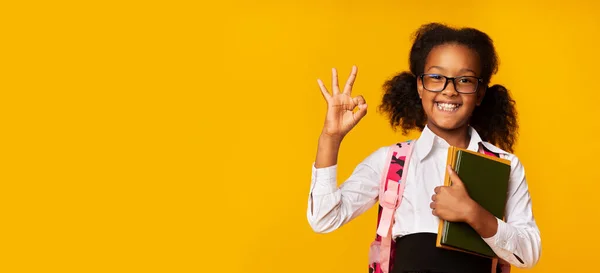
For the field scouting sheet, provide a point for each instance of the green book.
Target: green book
(486, 179)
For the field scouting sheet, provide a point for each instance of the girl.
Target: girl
(446, 96)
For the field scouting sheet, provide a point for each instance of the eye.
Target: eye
(467, 80)
(434, 77)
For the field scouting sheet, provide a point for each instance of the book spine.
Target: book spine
(443, 225)
(458, 160)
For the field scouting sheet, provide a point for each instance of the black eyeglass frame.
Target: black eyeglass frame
(479, 80)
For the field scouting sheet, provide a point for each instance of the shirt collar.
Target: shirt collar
(475, 140)
(424, 143)
(428, 140)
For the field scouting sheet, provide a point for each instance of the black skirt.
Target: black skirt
(417, 253)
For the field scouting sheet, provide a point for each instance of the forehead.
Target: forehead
(453, 58)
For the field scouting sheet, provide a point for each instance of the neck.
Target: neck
(458, 137)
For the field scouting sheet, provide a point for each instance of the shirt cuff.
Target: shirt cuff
(502, 237)
(324, 180)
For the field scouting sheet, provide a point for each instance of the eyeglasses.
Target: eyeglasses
(463, 84)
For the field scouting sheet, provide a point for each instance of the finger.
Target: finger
(362, 107)
(433, 197)
(334, 81)
(362, 111)
(432, 205)
(454, 177)
(324, 90)
(358, 100)
(437, 189)
(350, 81)
(434, 212)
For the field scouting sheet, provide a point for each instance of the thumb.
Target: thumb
(454, 177)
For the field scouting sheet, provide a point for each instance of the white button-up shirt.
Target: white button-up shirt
(330, 206)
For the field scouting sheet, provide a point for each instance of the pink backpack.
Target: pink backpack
(391, 188)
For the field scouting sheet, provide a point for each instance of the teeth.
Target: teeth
(447, 106)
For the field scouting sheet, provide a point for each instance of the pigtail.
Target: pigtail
(402, 104)
(496, 118)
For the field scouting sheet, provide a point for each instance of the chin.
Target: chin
(447, 125)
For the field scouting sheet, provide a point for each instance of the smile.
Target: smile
(448, 107)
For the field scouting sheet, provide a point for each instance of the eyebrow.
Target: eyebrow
(460, 71)
(438, 67)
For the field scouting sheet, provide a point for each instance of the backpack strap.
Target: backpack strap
(486, 151)
(392, 184)
(391, 188)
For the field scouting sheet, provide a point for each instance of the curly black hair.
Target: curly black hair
(495, 119)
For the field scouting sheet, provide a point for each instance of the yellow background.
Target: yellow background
(178, 136)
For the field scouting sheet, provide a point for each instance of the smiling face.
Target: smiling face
(449, 110)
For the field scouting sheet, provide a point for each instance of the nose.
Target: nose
(450, 89)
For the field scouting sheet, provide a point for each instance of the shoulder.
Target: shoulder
(380, 156)
(515, 163)
(399, 147)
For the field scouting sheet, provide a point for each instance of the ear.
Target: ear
(420, 87)
(481, 94)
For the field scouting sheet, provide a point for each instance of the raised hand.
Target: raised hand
(341, 115)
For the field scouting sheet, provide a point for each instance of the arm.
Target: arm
(517, 240)
(330, 206)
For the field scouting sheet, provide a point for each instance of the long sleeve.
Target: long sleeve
(517, 240)
(330, 206)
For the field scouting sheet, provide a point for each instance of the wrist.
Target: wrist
(330, 140)
(472, 212)
(327, 151)
(482, 221)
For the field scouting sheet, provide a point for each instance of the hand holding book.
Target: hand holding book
(453, 203)
(470, 202)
